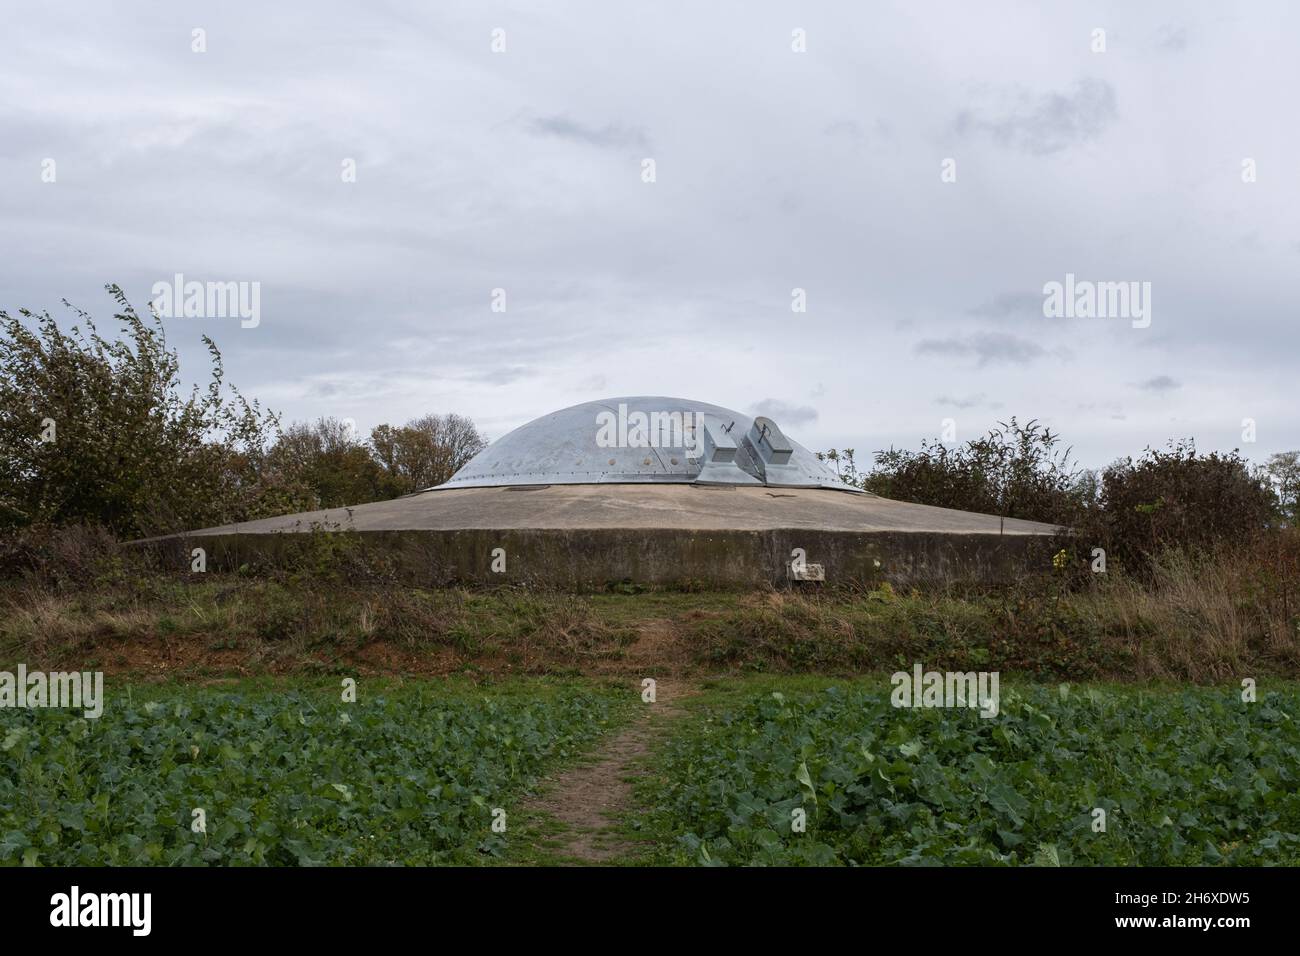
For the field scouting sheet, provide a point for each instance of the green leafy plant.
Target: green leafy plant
(1184, 778)
(408, 775)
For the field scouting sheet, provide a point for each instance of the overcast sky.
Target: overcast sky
(774, 170)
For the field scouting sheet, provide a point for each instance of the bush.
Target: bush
(93, 431)
(100, 432)
(54, 557)
(1016, 471)
(1177, 499)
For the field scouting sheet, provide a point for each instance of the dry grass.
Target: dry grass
(1196, 619)
(1216, 619)
(1200, 619)
(276, 627)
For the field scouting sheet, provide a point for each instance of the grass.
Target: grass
(229, 624)
(333, 604)
(1195, 622)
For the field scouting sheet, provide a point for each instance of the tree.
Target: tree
(1169, 499)
(327, 466)
(425, 451)
(100, 431)
(1282, 471)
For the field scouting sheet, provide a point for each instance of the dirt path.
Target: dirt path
(580, 807)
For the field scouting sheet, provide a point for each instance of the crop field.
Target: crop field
(1184, 777)
(762, 770)
(408, 774)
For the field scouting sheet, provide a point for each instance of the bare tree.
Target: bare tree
(426, 451)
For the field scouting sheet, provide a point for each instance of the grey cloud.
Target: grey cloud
(1172, 38)
(968, 402)
(784, 414)
(853, 131)
(1161, 383)
(986, 347)
(846, 129)
(1047, 123)
(505, 375)
(610, 136)
(376, 293)
(1010, 304)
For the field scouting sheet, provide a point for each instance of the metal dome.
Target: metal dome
(647, 439)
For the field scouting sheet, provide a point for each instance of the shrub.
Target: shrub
(1179, 499)
(54, 557)
(1173, 499)
(1016, 471)
(99, 431)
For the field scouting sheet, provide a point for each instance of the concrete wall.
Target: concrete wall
(583, 558)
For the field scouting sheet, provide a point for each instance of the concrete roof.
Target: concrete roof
(641, 506)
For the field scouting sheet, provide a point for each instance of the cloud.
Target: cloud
(376, 293)
(1010, 304)
(853, 131)
(502, 376)
(1161, 383)
(987, 347)
(784, 414)
(845, 129)
(1172, 38)
(1047, 123)
(610, 136)
(969, 402)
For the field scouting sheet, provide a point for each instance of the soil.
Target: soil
(586, 803)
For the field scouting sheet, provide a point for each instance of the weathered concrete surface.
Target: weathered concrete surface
(686, 507)
(590, 535)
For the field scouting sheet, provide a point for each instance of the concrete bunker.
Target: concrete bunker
(708, 496)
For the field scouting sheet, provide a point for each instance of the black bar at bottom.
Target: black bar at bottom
(332, 906)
